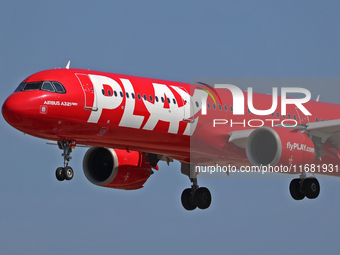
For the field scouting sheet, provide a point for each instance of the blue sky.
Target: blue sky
(173, 40)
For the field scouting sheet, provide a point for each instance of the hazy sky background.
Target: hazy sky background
(173, 40)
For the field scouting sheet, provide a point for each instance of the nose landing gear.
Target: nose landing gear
(66, 172)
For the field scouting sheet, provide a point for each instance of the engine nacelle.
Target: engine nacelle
(119, 169)
(279, 145)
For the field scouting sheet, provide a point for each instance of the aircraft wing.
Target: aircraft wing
(325, 130)
(325, 135)
(56, 143)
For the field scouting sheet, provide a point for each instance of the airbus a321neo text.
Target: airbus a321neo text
(131, 123)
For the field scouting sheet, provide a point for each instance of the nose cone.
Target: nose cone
(15, 109)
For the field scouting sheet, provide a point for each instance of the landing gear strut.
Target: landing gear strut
(66, 172)
(194, 197)
(304, 187)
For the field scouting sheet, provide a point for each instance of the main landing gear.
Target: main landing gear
(194, 197)
(66, 172)
(304, 187)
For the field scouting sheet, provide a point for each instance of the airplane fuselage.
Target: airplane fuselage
(150, 115)
(132, 122)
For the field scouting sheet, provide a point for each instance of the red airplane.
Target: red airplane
(131, 123)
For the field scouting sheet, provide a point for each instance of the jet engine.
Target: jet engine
(279, 145)
(119, 169)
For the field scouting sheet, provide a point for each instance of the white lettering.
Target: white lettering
(172, 114)
(297, 101)
(100, 101)
(219, 121)
(262, 112)
(128, 118)
(238, 100)
(238, 123)
(258, 120)
(238, 97)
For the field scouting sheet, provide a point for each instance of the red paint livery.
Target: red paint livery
(147, 120)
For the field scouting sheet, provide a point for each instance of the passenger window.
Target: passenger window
(289, 116)
(294, 117)
(220, 107)
(115, 93)
(197, 105)
(168, 100)
(162, 98)
(284, 116)
(121, 94)
(144, 96)
(278, 114)
(151, 98)
(226, 108)
(248, 111)
(103, 92)
(316, 119)
(174, 100)
(231, 108)
(208, 105)
(127, 95)
(139, 97)
(133, 95)
(156, 98)
(109, 92)
(214, 106)
(47, 86)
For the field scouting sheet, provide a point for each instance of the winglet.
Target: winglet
(68, 64)
(317, 99)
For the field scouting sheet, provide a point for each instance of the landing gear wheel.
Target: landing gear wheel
(59, 173)
(311, 187)
(187, 199)
(68, 173)
(202, 198)
(295, 190)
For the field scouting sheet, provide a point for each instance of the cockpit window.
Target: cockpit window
(32, 86)
(59, 88)
(50, 86)
(47, 86)
(19, 88)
